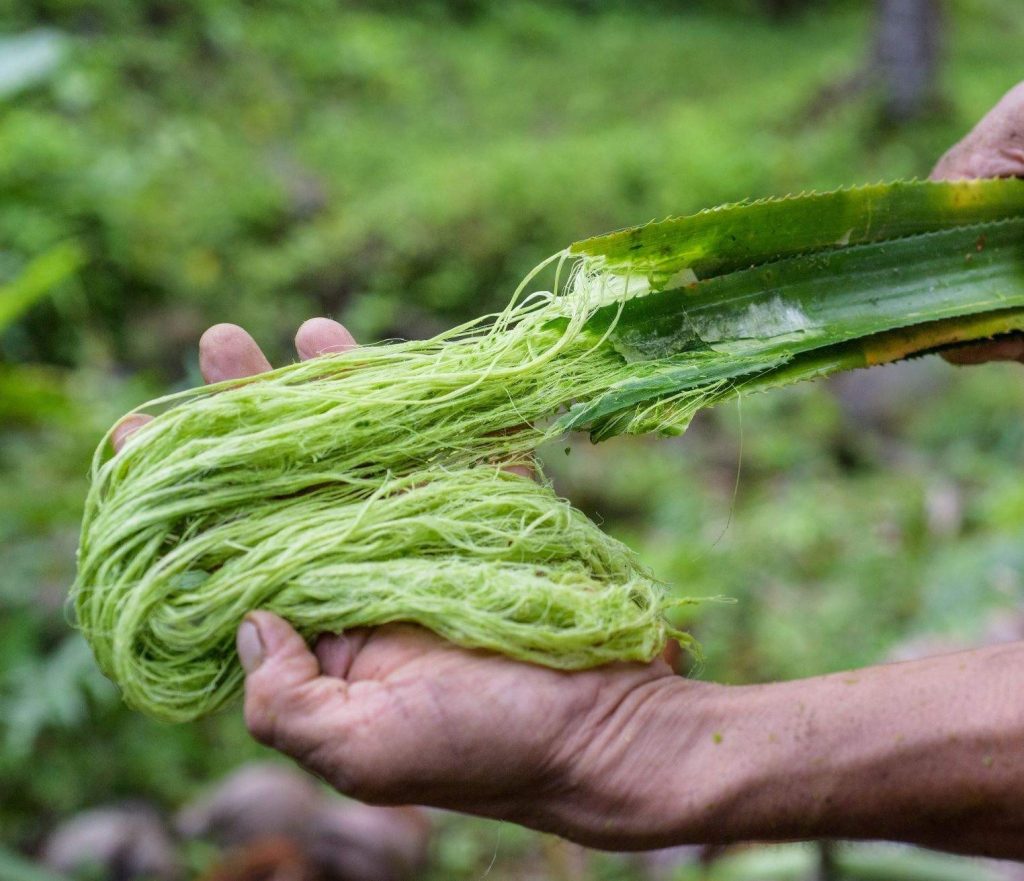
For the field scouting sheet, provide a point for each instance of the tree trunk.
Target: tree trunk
(780, 9)
(906, 56)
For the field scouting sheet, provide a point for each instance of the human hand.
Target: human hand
(993, 148)
(396, 714)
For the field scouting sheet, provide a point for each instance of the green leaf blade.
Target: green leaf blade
(806, 316)
(802, 303)
(737, 236)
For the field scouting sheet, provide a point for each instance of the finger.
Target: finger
(280, 674)
(322, 336)
(126, 428)
(228, 352)
(337, 651)
(1008, 349)
(993, 148)
(672, 654)
(375, 653)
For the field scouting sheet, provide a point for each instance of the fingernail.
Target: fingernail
(250, 646)
(126, 428)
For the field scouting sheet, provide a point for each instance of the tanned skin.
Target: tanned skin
(631, 756)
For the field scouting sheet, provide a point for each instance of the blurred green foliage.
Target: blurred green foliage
(166, 165)
(223, 161)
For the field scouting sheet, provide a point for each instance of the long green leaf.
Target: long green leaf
(753, 322)
(736, 236)
(806, 302)
(755, 295)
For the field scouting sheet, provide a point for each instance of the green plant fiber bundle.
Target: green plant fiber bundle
(369, 487)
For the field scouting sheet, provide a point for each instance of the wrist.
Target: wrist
(648, 773)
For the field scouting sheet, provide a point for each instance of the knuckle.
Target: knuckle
(269, 714)
(291, 720)
(260, 720)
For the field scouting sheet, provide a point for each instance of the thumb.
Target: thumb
(291, 706)
(280, 672)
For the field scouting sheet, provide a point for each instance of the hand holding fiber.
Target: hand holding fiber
(365, 487)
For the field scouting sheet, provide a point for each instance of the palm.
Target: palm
(424, 697)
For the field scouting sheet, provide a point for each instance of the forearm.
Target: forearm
(930, 752)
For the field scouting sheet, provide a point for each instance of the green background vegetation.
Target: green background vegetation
(400, 168)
